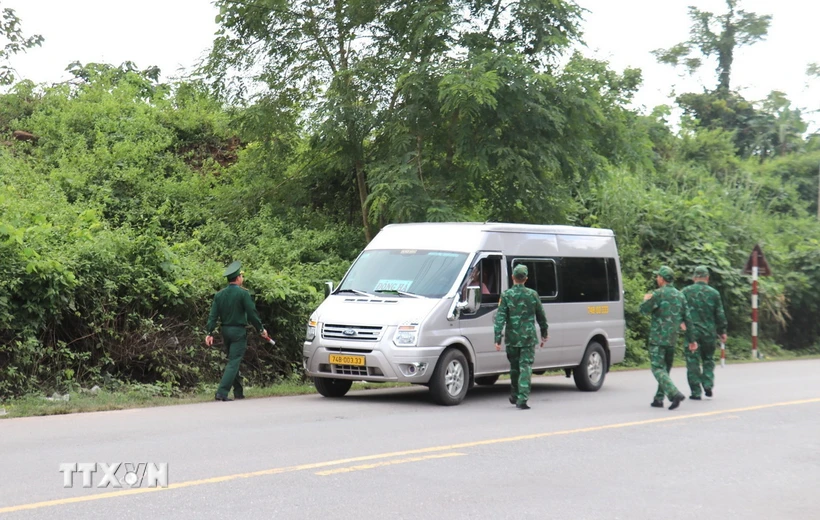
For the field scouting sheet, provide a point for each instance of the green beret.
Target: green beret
(520, 271)
(666, 273)
(233, 270)
(701, 271)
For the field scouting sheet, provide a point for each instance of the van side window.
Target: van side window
(585, 280)
(490, 280)
(542, 276)
(612, 279)
(487, 275)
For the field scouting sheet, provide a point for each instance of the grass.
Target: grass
(142, 396)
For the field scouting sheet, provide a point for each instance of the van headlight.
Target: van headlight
(407, 335)
(311, 330)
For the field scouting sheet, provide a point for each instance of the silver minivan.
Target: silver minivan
(418, 306)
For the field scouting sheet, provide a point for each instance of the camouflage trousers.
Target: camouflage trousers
(521, 359)
(661, 358)
(705, 356)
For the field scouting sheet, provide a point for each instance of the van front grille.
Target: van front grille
(351, 332)
(349, 370)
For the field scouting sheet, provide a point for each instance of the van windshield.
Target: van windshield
(420, 272)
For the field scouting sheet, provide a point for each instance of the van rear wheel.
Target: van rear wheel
(486, 380)
(451, 378)
(329, 387)
(590, 374)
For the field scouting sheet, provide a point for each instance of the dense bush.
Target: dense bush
(116, 222)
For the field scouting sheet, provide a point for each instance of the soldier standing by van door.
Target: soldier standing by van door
(234, 308)
(518, 309)
(709, 321)
(668, 309)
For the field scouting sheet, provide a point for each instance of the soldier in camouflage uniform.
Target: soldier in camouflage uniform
(233, 307)
(518, 309)
(709, 321)
(668, 309)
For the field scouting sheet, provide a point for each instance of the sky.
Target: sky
(174, 34)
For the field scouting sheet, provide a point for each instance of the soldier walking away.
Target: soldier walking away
(233, 307)
(668, 309)
(709, 322)
(518, 309)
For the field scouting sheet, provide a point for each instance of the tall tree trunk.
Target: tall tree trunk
(342, 34)
(362, 183)
(726, 48)
(725, 58)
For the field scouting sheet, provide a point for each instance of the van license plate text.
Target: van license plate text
(336, 359)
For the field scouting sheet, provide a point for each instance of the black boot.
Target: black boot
(676, 401)
(694, 397)
(708, 392)
(523, 406)
(656, 404)
(222, 398)
(513, 400)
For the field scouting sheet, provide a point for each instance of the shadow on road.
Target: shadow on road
(542, 389)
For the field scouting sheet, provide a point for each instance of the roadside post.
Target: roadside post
(756, 266)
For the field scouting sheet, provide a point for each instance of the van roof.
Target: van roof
(470, 236)
(502, 227)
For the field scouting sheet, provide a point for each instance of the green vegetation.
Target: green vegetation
(312, 125)
(137, 395)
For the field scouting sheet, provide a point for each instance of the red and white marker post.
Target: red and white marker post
(755, 270)
(756, 266)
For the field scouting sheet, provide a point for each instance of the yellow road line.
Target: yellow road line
(432, 449)
(386, 463)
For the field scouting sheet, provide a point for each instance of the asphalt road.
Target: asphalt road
(753, 451)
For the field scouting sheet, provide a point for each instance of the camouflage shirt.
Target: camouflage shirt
(705, 309)
(668, 309)
(518, 308)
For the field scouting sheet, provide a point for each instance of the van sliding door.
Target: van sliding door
(543, 279)
(487, 272)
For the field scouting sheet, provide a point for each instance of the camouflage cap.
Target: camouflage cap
(666, 273)
(520, 271)
(233, 270)
(701, 271)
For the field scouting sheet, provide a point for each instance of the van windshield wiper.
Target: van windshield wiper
(355, 291)
(403, 293)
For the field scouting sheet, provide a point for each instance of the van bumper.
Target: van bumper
(382, 363)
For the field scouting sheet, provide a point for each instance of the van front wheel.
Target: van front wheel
(449, 383)
(590, 374)
(332, 387)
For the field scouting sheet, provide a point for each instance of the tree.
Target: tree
(780, 127)
(14, 42)
(716, 36)
(730, 112)
(374, 77)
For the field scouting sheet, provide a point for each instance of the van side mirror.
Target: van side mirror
(473, 301)
(328, 289)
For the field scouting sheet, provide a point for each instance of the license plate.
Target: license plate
(336, 359)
